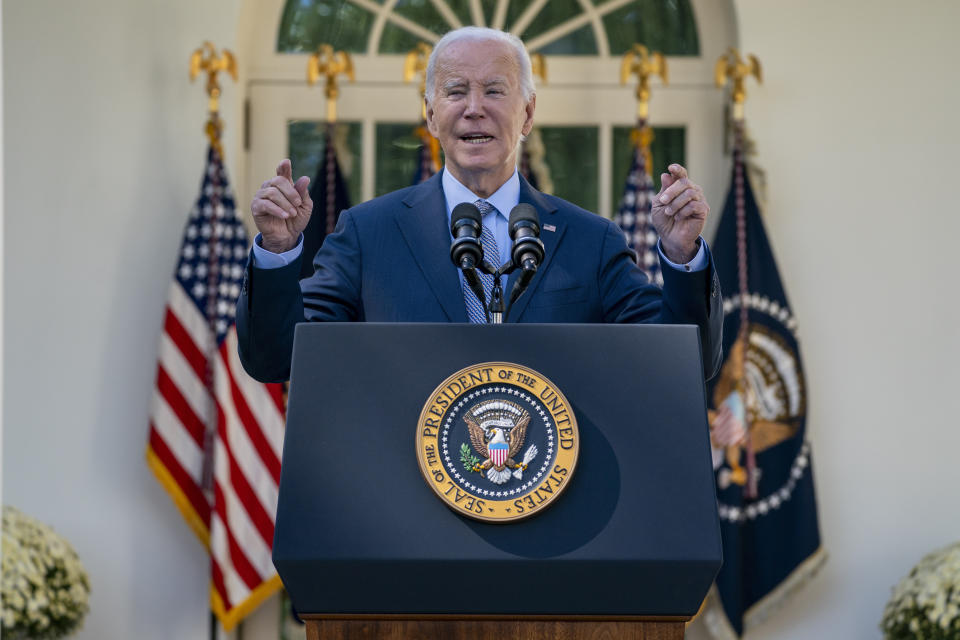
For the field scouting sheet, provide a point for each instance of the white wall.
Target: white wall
(102, 159)
(1, 250)
(856, 125)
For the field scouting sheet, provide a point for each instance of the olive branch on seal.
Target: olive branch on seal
(470, 462)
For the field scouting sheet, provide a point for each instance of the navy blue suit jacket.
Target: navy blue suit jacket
(389, 261)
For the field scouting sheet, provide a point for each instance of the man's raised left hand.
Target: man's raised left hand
(679, 214)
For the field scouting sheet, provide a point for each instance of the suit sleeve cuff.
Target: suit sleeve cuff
(264, 259)
(698, 263)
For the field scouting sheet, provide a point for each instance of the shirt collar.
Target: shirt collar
(504, 199)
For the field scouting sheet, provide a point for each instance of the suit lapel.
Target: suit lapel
(550, 239)
(423, 225)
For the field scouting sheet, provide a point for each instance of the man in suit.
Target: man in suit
(388, 260)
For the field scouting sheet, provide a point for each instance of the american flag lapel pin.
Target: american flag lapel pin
(549, 227)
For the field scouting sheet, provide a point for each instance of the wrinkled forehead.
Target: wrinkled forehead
(482, 61)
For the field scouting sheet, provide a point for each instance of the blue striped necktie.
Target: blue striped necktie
(475, 308)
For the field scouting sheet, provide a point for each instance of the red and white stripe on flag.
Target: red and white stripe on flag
(208, 415)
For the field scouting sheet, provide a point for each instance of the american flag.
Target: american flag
(633, 216)
(215, 433)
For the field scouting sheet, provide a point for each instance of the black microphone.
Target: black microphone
(466, 225)
(527, 252)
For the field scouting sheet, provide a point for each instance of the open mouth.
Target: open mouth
(476, 138)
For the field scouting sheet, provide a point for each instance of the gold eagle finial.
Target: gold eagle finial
(538, 66)
(644, 64)
(731, 66)
(329, 63)
(205, 59)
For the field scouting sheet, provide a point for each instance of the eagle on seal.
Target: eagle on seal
(498, 429)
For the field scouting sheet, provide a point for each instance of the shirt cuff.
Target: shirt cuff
(698, 263)
(266, 259)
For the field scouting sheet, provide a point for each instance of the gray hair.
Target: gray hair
(478, 34)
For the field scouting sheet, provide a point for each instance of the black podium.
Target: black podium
(366, 549)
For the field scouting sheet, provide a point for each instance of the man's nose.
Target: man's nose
(474, 107)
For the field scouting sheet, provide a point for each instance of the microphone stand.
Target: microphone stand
(496, 312)
(495, 308)
(496, 301)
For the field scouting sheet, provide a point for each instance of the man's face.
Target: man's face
(478, 112)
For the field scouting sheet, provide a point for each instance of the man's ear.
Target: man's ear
(528, 115)
(431, 123)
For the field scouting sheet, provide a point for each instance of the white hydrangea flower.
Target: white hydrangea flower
(45, 589)
(926, 603)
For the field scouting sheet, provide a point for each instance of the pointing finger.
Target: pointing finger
(678, 171)
(285, 169)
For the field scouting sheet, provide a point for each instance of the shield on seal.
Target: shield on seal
(498, 453)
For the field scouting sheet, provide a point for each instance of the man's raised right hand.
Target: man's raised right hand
(281, 209)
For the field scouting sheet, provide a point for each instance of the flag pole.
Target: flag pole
(731, 66)
(641, 62)
(206, 60)
(634, 212)
(330, 64)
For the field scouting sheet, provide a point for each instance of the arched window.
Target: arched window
(559, 27)
(583, 114)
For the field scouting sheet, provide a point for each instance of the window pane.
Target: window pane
(514, 10)
(462, 9)
(581, 42)
(307, 150)
(571, 154)
(552, 14)
(668, 146)
(663, 25)
(397, 156)
(398, 40)
(667, 26)
(307, 23)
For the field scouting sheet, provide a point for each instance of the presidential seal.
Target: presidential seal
(497, 442)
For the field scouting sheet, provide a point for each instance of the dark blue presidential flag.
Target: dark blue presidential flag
(329, 194)
(765, 489)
